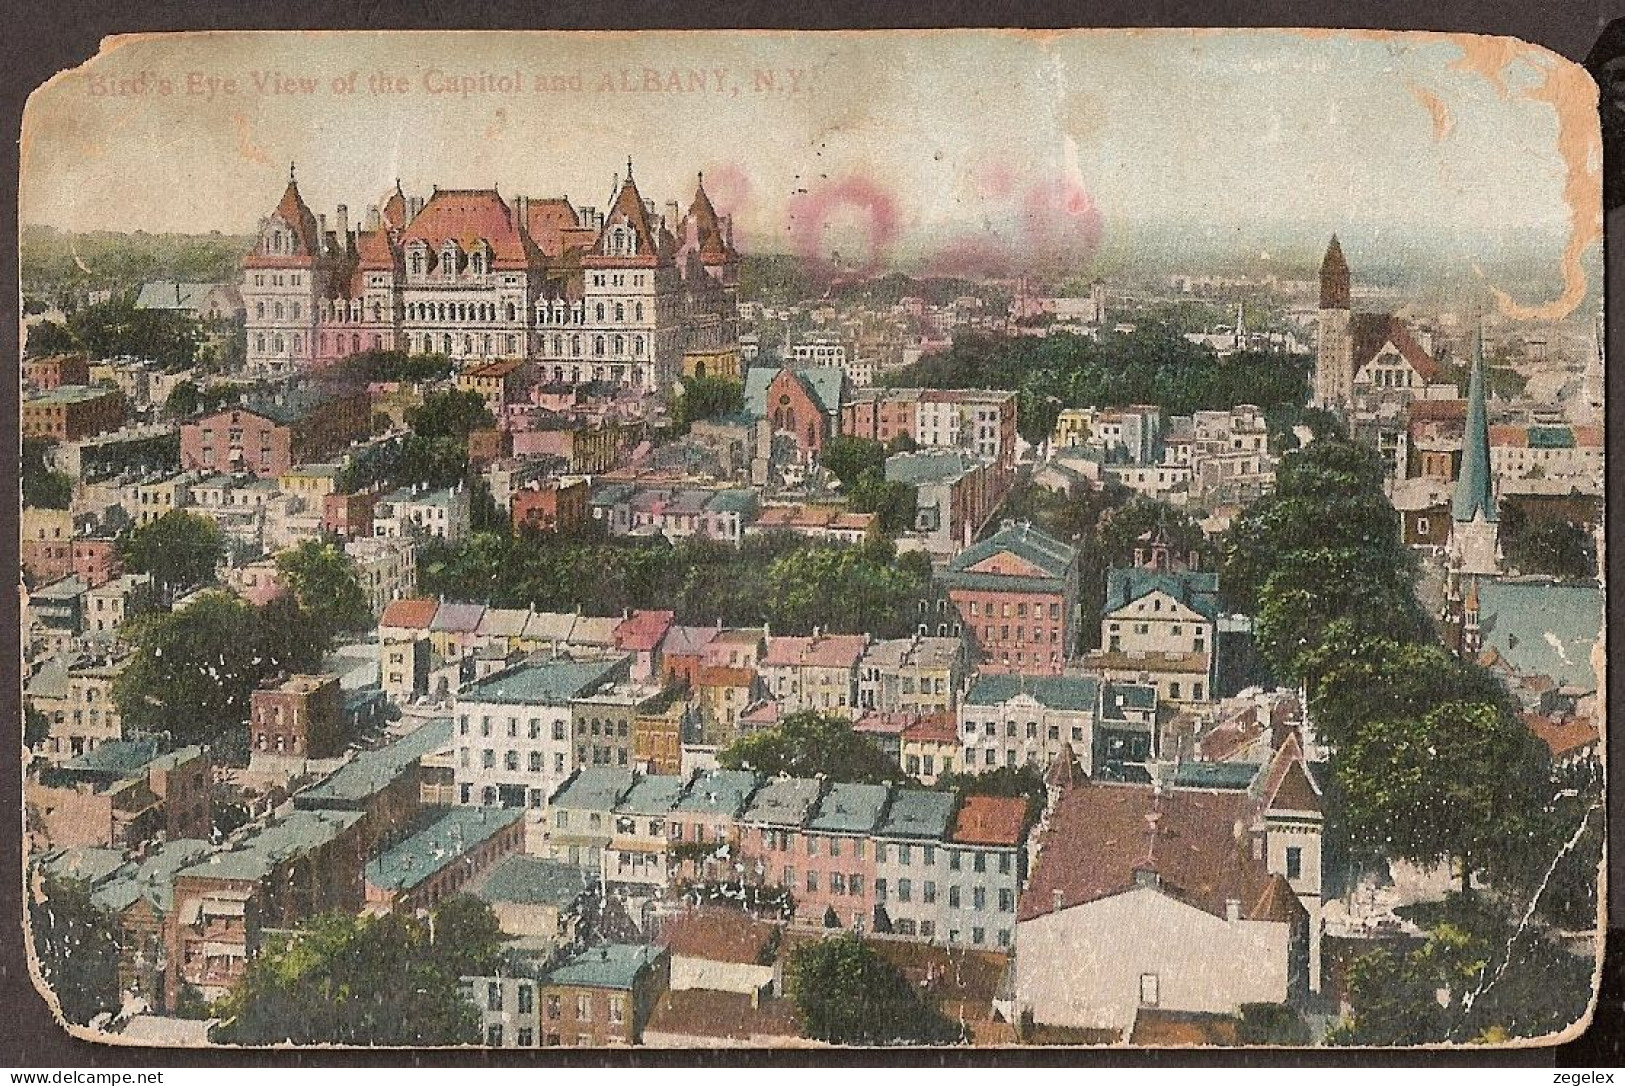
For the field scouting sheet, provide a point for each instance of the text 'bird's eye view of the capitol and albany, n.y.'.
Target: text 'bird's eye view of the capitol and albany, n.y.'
(778, 539)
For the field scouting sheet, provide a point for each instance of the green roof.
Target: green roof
(1026, 542)
(1073, 692)
(1473, 494)
(783, 801)
(531, 880)
(823, 383)
(67, 394)
(718, 791)
(371, 771)
(596, 789)
(614, 965)
(152, 878)
(651, 795)
(438, 845)
(1551, 437)
(917, 813)
(549, 682)
(1543, 627)
(89, 865)
(1128, 696)
(1227, 775)
(256, 854)
(115, 758)
(850, 808)
(732, 501)
(927, 466)
(1197, 590)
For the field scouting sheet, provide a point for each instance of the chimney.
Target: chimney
(321, 230)
(673, 218)
(728, 230)
(649, 208)
(344, 220)
(1232, 910)
(1058, 899)
(588, 215)
(521, 210)
(375, 219)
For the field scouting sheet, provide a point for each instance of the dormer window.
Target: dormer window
(418, 259)
(448, 260)
(476, 263)
(622, 241)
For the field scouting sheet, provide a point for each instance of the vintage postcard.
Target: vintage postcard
(789, 539)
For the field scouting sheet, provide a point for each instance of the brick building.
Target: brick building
(551, 505)
(268, 434)
(302, 716)
(71, 412)
(1017, 596)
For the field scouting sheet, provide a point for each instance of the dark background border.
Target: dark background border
(50, 36)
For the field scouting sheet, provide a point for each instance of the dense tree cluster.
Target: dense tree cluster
(860, 466)
(42, 487)
(181, 550)
(790, 583)
(810, 745)
(1153, 364)
(324, 581)
(1557, 548)
(706, 398)
(192, 672)
(367, 980)
(848, 994)
(116, 328)
(58, 265)
(75, 947)
(384, 366)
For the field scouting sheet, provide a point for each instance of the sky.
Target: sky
(973, 151)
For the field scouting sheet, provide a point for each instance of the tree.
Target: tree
(850, 458)
(848, 994)
(193, 672)
(116, 328)
(1312, 588)
(386, 980)
(808, 744)
(1459, 781)
(1025, 780)
(42, 487)
(706, 398)
(75, 946)
(324, 581)
(49, 338)
(1556, 548)
(181, 550)
(451, 413)
(894, 503)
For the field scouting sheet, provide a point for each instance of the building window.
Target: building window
(1294, 862)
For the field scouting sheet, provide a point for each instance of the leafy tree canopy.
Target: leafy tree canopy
(387, 980)
(181, 550)
(42, 487)
(324, 580)
(809, 744)
(450, 413)
(78, 957)
(706, 398)
(116, 328)
(848, 994)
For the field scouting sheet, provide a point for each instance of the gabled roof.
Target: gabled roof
(651, 795)
(688, 640)
(708, 235)
(1023, 541)
(291, 209)
(1198, 590)
(615, 965)
(718, 791)
(532, 880)
(825, 384)
(548, 222)
(783, 801)
(917, 813)
(1104, 839)
(1370, 332)
(642, 631)
(720, 934)
(594, 789)
(458, 617)
(627, 211)
(825, 650)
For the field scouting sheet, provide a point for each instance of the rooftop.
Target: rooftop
(614, 965)
(438, 845)
(720, 934)
(991, 820)
(531, 880)
(718, 791)
(783, 801)
(1070, 692)
(917, 813)
(651, 795)
(850, 808)
(371, 771)
(594, 789)
(542, 682)
(255, 855)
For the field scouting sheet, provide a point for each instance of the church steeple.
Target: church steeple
(1474, 496)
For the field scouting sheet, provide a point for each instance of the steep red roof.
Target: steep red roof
(307, 247)
(990, 820)
(1438, 410)
(1285, 784)
(933, 728)
(410, 614)
(549, 222)
(1191, 843)
(394, 210)
(1562, 737)
(643, 630)
(1371, 331)
(628, 211)
(720, 934)
(373, 251)
(708, 233)
(467, 217)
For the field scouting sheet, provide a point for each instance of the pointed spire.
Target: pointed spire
(629, 168)
(1334, 278)
(1474, 497)
(290, 173)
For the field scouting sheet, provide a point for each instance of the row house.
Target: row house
(815, 674)
(1016, 594)
(705, 826)
(605, 723)
(1125, 435)
(918, 674)
(980, 422)
(270, 875)
(1546, 452)
(967, 880)
(1014, 720)
(420, 512)
(636, 857)
(456, 847)
(581, 816)
(72, 412)
(828, 522)
(300, 716)
(75, 695)
(269, 433)
(929, 747)
(123, 794)
(515, 736)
